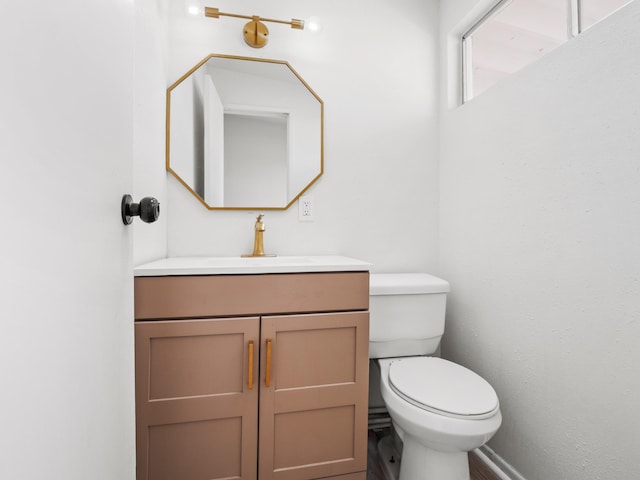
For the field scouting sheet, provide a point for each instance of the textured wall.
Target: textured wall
(540, 227)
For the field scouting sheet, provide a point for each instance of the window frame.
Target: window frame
(574, 28)
(467, 49)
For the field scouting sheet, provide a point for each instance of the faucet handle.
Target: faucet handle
(259, 225)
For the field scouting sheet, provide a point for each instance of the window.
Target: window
(592, 11)
(515, 33)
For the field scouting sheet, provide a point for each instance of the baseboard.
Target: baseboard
(497, 464)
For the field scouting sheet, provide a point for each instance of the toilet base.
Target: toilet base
(420, 463)
(389, 458)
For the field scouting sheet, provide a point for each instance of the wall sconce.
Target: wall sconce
(255, 32)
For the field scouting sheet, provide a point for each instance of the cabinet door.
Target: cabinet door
(313, 412)
(196, 414)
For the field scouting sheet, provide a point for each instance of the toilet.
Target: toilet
(439, 410)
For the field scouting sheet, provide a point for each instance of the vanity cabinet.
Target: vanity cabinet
(252, 376)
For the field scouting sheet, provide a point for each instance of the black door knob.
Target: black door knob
(148, 209)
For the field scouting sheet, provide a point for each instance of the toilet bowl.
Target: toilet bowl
(438, 419)
(439, 410)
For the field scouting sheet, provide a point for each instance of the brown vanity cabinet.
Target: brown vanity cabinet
(252, 376)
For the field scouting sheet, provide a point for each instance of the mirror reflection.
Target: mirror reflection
(244, 133)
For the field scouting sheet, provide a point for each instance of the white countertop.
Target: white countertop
(252, 265)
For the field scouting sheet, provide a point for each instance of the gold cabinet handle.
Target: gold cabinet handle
(250, 373)
(267, 375)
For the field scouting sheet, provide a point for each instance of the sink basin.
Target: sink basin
(249, 265)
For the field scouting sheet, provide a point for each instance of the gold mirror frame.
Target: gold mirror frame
(190, 188)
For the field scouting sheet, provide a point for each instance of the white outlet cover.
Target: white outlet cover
(305, 208)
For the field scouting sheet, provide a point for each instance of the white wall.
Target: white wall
(264, 157)
(186, 156)
(375, 69)
(150, 177)
(540, 228)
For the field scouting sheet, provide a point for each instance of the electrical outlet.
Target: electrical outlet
(305, 208)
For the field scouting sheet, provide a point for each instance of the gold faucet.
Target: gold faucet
(258, 242)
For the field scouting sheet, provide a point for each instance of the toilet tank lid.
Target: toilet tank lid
(406, 284)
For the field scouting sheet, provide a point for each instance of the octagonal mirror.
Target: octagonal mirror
(244, 133)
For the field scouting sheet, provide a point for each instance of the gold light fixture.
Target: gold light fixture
(255, 32)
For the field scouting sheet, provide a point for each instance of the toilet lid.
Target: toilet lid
(443, 387)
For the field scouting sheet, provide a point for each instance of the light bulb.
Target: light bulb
(313, 24)
(194, 7)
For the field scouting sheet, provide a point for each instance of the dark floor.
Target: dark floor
(477, 468)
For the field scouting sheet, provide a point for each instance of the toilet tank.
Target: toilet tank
(406, 312)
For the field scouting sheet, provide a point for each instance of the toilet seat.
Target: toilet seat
(443, 387)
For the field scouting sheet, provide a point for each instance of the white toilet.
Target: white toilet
(440, 410)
